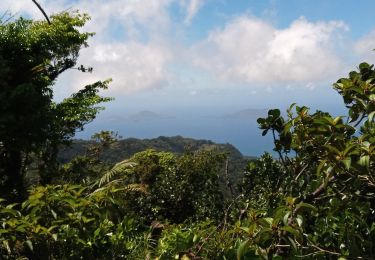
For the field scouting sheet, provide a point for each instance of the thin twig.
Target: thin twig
(310, 254)
(320, 189)
(302, 170)
(228, 183)
(199, 247)
(278, 151)
(324, 250)
(228, 208)
(8, 19)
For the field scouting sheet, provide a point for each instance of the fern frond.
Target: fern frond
(138, 187)
(141, 188)
(121, 168)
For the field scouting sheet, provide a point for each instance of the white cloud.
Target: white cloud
(22, 7)
(136, 17)
(192, 7)
(132, 66)
(246, 50)
(251, 50)
(364, 47)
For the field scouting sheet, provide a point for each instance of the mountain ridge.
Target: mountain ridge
(125, 148)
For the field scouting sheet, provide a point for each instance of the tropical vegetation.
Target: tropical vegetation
(315, 200)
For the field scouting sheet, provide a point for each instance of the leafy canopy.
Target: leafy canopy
(32, 56)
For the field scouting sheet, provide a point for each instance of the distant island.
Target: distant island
(146, 115)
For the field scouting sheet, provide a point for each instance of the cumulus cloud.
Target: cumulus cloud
(132, 66)
(135, 17)
(135, 63)
(246, 50)
(151, 16)
(251, 50)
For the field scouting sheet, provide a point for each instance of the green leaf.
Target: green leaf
(371, 116)
(246, 229)
(11, 206)
(292, 243)
(241, 250)
(7, 247)
(332, 149)
(336, 120)
(30, 245)
(364, 65)
(320, 167)
(291, 230)
(274, 112)
(290, 200)
(286, 218)
(54, 214)
(261, 121)
(364, 161)
(21, 228)
(299, 220)
(349, 148)
(304, 205)
(10, 211)
(347, 162)
(269, 220)
(3, 231)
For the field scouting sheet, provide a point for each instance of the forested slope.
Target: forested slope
(123, 149)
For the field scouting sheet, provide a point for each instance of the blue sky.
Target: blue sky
(189, 60)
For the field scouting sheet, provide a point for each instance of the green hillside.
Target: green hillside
(125, 148)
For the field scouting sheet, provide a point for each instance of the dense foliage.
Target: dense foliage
(32, 126)
(317, 200)
(121, 149)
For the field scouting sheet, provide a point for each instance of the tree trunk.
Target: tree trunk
(48, 166)
(14, 185)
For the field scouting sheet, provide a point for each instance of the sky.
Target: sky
(192, 63)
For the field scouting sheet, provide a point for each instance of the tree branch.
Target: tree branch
(228, 183)
(301, 171)
(320, 189)
(41, 9)
(360, 120)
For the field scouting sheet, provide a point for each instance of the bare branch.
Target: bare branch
(41, 9)
(5, 14)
